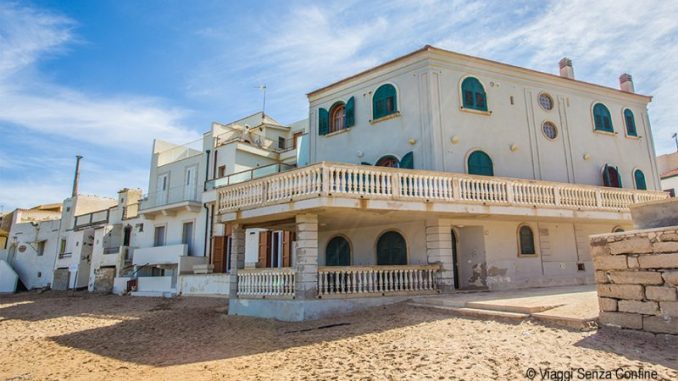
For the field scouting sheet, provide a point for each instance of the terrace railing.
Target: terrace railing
(346, 281)
(347, 180)
(266, 283)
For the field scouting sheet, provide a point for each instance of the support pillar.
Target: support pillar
(306, 259)
(237, 259)
(439, 250)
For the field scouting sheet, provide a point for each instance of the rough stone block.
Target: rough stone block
(671, 277)
(669, 309)
(631, 245)
(632, 262)
(307, 243)
(669, 236)
(617, 262)
(636, 307)
(665, 247)
(659, 324)
(307, 235)
(636, 277)
(620, 319)
(601, 277)
(600, 251)
(621, 291)
(660, 293)
(660, 261)
(607, 304)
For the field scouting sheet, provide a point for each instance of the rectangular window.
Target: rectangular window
(221, 172)
(62, 246)
(281, 142)
(41, 248)
(187, 236)
(159, 236)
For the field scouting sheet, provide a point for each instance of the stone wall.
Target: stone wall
(637, 279)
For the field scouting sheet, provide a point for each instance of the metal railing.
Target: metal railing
(93, 218)
(170, 196)
(250, 174)
(359, 181)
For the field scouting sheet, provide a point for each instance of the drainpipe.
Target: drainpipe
(207, 225)
(207, 171)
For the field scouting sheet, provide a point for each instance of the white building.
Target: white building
(668, 172)
(498, 176)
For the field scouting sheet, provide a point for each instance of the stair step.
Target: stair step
(509, 308)
(154, 294)
(475, 312)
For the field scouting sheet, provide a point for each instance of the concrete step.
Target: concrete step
(475, 312)
(510, 308)
(154, 294)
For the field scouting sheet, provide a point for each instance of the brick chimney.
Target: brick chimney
(566, 70)
(626, 83)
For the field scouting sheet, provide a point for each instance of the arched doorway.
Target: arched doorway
(338, 252)
(391, 249)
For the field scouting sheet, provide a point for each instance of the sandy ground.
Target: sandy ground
(62, 336)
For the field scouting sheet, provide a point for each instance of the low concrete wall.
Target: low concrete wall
(637, 279)
(186, 263)
(203, 284)
(300, 310)
(120, 285)
(155, 284)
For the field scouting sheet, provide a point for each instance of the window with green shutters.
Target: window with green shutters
(473, 94)
(384, 101)
(639, 177)
(479, 163)
(611, 177)
(601, 118)
(391, 249)
(407, 161)
(630, 122)
(338, 252)
(526, 238)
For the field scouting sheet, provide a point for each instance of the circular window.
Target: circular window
(545, 101)
(550, 130)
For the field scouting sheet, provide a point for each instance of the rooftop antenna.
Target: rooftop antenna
(675, 137)
(76, 179)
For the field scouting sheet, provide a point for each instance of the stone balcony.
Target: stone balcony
(346, 186)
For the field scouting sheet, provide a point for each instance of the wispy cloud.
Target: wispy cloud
(115, 130)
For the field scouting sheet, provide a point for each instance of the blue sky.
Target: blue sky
(103, 78)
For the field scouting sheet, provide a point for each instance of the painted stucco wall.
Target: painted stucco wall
(430, 115)
(173, 231)
(670, 183)
(35, 271)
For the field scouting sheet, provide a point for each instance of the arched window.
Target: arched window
(388, 161)
(479, 163)
(601, 118)
(338, 252)
(617, 229)
(611, 177)
(384, 101)
(391, 249)
(630, 122)
(337, 117)
(639, 178)
(473, 94)
(526, 239)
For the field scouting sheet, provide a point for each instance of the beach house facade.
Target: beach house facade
(438, 172)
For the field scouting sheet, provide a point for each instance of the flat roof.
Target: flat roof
(429, 48)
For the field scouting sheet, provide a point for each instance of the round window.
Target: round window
(545, 101)
(550, 130)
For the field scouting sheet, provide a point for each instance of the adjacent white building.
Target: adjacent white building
(668, 172)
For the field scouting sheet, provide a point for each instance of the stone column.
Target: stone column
(237, 258)
(439, 250)
(306, 261)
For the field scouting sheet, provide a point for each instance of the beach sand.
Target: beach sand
(59, 335)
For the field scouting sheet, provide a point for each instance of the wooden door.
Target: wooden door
(264, 259)
(218, 253)
(288, 238)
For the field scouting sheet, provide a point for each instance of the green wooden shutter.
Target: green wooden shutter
(618, 177)
(407, 161)
(349, 113)
(384, 101)
(630, 123)
(640, 180)
(606, 176)
(479, 163)
(323, 122)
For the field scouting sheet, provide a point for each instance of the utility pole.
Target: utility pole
(263, 106)
(76, 179)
